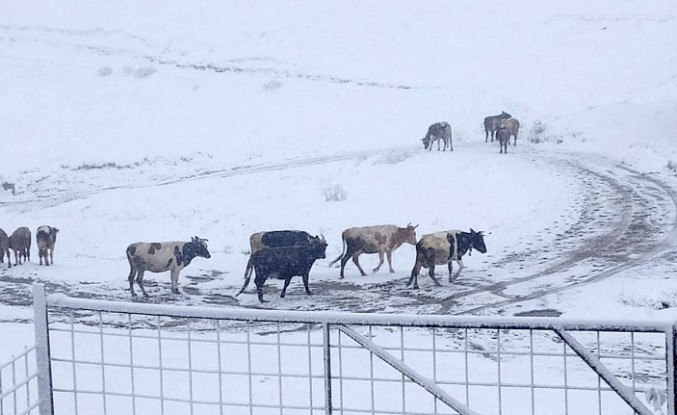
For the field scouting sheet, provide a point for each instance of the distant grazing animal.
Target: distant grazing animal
(276, 239)
(513, 126)
(283, 263)
(442, 248)
(491, 124)
(374, 239)
(9, 186)
(20, 243)
(161, 257)
(503, 138)
(4, 248)
(440, 131)
(46, 238)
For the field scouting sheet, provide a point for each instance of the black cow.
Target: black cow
(276, 239)
(283, 263)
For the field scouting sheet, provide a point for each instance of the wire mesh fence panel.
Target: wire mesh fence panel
(115, 358)
(18, 384)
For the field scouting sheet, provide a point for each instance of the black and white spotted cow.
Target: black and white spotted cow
(440, 131)
(161, 257)
(442, 248)
(46, 238)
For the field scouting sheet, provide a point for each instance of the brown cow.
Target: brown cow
(513, 127)
(4, 248)
(20, 243)
(374, 239)
(46, 238)
(491, 124)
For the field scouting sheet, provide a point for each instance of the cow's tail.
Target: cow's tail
(247, 276)
(343, 252)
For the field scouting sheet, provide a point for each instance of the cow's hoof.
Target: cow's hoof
(416, 287)
(282, 295)
(309, 293)
(341, 277)
(364, 274)
(392, 271)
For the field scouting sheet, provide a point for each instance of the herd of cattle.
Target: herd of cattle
(288, 253)
(502, 126)
(20, 242)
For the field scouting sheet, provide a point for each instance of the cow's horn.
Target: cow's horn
(322, 236)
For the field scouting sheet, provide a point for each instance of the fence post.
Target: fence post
(671, 343)
(42, 355)
(326, 345)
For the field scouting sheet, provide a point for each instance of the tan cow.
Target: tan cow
(442, 248)
(374, 239)
(4, 248)
(46, 238)
(491, 124)
(20, 243)
(161, 257)
(513, 127)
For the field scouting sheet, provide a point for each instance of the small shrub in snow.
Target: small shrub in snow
(105, 71)
(394, 157)
(272, 85)
(140, 72)
(672, 166)
(335, 193)
(540, 133)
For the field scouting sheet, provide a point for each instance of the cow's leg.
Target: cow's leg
(16, 257)
(139, 280)
(486, 135)
(431, 273)
(460, 268)
(284, 288)
(450, 267)
(40, 255)
(414, 274)
(380, 261)
(305, 283)
(259, 280)
(175, 281)
(389, 255)
(51, 256)
(343, 264)
(515, 143)
(357, 263)
(132, 274)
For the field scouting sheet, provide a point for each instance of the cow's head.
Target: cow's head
(407, 234)
(319, 246)
(477, 241)
(52, 232)
(200, 247)
(426, 142)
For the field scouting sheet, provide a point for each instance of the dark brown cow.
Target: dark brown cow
(491, 124)
(4, 248)
(46, 238)
(440, 131)
(513, 127)
(503, 138)
(20, 243)
(381, 239)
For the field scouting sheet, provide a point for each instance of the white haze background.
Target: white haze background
(101, 102)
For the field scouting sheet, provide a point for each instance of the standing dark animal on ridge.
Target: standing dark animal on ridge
(503, 138)
(20, 243)
(4, 248)
(276, 239)
(440, 131)
(491, 124)
(381, 239)
(442, 248)
(163, 256)
(46, 238)
(283, 263)
(513, 127)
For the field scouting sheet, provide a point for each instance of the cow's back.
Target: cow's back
(155, 256)
(439, 242)
(20, 239)
(369, 239)
(275, 239)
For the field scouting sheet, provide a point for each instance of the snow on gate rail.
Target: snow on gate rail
(130, 358)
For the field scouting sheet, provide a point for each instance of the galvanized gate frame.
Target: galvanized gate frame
(340, 321)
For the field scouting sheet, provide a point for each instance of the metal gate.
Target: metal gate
(104, 357)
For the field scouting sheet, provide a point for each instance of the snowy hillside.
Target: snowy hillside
(136, 121)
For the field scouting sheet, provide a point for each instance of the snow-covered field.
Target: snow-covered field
(127, 121)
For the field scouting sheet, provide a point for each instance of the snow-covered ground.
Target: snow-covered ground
(127, 121)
